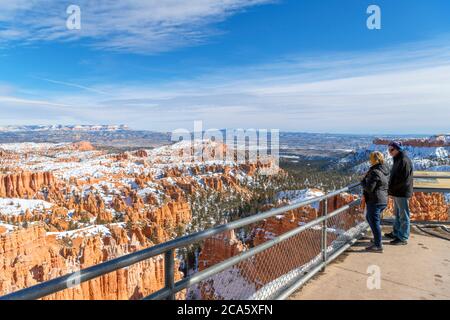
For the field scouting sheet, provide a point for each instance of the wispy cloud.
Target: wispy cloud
(20, 101)
(73, 85)
(398, 90)
(141, 26)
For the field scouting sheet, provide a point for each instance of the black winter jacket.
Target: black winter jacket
(401, 183)
(375, 185)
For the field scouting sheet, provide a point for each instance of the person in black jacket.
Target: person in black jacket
(375, 185)
(401, 189)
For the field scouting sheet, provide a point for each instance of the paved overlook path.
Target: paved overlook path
(419, 271)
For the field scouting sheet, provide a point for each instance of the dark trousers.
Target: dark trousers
(373, 217)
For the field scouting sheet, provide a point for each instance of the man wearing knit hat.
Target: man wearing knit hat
(401, 189)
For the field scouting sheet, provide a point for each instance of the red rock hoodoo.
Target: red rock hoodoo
(24, 184)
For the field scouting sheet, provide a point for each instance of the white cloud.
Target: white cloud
(19, 101)
(73, 85)
(142, 26)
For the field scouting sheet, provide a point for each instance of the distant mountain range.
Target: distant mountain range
(292, 144)
(108, 136)
(64, 128)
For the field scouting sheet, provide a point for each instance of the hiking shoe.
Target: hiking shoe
(390, 235)
(398, 242)
(374, 248)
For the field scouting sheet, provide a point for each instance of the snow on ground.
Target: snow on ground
(417, 152)
(180, 154)
(297, 196)
(29, 146)
(84, 232)
(8, 227)
(229, 284)
(14, 207)
(447, 197)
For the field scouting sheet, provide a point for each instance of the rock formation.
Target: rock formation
(219, 248)
(82, 146)
(24, 184)
(141, 154)
(425, 207)
(29, 256)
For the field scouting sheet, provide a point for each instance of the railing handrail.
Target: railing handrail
(436, 176)
(61, 283)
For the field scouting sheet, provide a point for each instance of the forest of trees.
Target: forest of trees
(213, 207)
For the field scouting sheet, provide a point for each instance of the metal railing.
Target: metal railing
(292, 277)
(433, 176)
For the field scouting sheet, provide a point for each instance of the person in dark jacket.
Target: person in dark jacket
(401, 189)
(375, 185)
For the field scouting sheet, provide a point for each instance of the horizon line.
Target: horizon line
(222, 129)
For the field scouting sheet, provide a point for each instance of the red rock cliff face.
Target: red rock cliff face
(24, 184)
(219, 248)
(82, 146)
(28, 256)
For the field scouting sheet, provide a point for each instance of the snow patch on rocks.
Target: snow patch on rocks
(14, 207)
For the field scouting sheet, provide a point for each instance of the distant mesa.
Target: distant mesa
(436, 141)
(120, 127)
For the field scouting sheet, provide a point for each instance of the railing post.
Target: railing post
(169, 277)
(324, 235)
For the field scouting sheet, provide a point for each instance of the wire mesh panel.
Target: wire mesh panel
(265, 274)
(345, 226)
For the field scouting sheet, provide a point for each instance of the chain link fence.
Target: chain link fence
(265, 275)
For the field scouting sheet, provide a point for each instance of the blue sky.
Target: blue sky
(299, 65)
